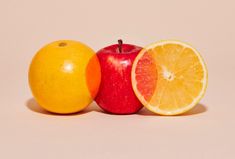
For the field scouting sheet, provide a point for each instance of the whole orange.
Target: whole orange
(64, 76)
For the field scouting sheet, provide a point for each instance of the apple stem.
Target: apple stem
(120, 45)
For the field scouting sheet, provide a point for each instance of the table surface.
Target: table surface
(26, 131)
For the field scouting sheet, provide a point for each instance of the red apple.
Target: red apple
(116, 94)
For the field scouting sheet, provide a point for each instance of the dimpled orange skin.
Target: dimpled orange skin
(64, 76)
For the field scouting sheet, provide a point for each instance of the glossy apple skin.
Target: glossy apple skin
(116, 95)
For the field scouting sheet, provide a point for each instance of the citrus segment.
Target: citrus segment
(172, 80)
(146, 75)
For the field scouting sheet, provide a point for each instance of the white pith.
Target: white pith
(168, 75)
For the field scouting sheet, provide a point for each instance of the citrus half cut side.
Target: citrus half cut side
(169, 77)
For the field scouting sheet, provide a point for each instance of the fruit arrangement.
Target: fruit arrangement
(167, 77)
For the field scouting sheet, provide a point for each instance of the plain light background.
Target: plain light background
(28, 132)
